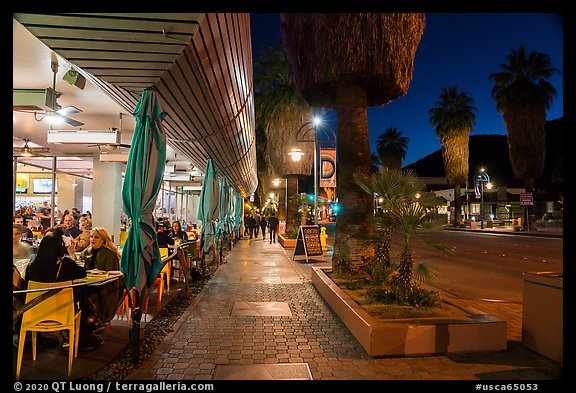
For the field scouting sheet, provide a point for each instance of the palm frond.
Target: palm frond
(445, 248)
(425, 273)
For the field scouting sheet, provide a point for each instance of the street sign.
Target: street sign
(526, 198)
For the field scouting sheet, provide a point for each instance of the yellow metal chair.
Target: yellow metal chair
(53, 314)
(123, 309)
(166, 272)
(164, 275)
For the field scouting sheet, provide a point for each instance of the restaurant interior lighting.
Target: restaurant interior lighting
(26, 151)
(53, 118)
(84, 136)
(114, 156)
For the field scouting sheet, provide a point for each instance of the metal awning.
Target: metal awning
(200, 65)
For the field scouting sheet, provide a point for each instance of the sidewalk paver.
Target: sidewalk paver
(209, 336)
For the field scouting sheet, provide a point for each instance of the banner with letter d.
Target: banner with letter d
(328, 167)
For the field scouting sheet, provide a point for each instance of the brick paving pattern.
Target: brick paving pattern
(207, 335)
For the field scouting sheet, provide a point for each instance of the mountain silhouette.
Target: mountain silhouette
(491, 153)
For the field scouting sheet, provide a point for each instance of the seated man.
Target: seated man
(27, 235)
(71, 230)
(20, 249)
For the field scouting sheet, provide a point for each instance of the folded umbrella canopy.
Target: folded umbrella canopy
(141, 261)
(209, 207)
(223, 229)
(224, 200)
(239, 213)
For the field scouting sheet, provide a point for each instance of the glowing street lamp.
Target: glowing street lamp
(482, 178)
(315, 126)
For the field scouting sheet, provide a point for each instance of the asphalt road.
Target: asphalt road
(484, 265)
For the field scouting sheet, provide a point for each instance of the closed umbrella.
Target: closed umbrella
(231, 220)
(141, 261)
(208, 208)
(239, 213)
(224, 201)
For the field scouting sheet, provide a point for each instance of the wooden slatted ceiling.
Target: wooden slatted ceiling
(200, 65)
(215, 106)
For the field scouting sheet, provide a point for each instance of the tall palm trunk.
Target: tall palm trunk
(405, 270)
(353, 157)
(382, 257)
(281, 204)
(526, 134)
(457, 205)
(291, 213)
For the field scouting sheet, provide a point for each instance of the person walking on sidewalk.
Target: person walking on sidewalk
(256, 224)
(263, 223)
(250, 223)
(273, 225)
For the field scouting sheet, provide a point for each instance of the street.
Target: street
(484, 265)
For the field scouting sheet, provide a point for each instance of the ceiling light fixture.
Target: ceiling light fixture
(26, 151)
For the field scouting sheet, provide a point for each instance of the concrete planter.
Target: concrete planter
(542, 314)
(415, 336)
(286, 243)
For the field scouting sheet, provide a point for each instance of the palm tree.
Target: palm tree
(264, 167)
(523, 94)
(375, 163)
(350, 62)
(280, 111)
(391, 147)
(453, 119)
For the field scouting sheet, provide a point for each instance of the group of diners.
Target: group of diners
(68, 253)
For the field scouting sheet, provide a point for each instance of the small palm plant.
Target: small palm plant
(405, 207)
(408, 215)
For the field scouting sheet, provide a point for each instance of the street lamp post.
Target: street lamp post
(315, 126)
(276, 184)
(482, 178)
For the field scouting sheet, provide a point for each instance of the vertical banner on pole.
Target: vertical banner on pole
(328, 165)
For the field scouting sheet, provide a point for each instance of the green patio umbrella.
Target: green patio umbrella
(230, 219)
(141, 261)
(238, 213)
(224, 200)
(209, 207)
(223, 229)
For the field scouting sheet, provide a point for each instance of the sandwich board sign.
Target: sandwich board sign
(308, 242)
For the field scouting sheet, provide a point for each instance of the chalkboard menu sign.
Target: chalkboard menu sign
(308, 242)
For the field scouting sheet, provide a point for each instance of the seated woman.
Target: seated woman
(100, 303)
(176, 232)
(51, 263)
(82, 241)
(101, 254)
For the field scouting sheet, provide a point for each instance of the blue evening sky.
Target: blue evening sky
(460, 49)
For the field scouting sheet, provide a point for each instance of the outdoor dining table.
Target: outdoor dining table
(99, 292)
(102, 293)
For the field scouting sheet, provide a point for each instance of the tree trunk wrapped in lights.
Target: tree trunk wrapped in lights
(280, 111)
(350, 62)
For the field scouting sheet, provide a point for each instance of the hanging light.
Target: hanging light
(26, 151)
(296, 154)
